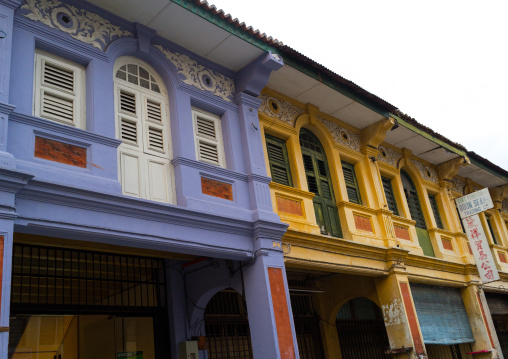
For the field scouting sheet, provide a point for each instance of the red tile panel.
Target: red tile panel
(363, 223)
(402, 232)
(60, 152)
(289, 206)
(447, 244)
(216, 188)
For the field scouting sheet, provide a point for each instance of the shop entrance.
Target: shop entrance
(73, 304)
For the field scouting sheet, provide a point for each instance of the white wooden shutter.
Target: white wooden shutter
(59, 90)
(208, 138)
(155, 131)
(128, 110)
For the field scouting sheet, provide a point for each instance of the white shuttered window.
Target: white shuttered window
(208, 138)
(59, 90)
(143, 126)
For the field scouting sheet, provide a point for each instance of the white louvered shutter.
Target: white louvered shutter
(208, 138)
(59, 90)
(154, 112)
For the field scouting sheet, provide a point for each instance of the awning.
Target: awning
(442, 315)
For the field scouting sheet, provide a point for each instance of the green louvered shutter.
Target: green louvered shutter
(491, 230)
(353, 192)
(435, 210)
(278, 160)
(390, 198)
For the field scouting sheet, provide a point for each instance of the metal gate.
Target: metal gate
(227, 327)
(457, 351)
(361, 329)
(308, 334)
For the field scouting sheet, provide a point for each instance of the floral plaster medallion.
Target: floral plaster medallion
(199, 76)
(283, 110)
(428, 173)
(82, 25)
(341, 135)
(388, 155)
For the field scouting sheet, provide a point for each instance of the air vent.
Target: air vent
(155, 138)
(206, 128)
(153, 110)
(129, 131)
(58, 77)
(208, 152)
(58, 107)
(127, 102)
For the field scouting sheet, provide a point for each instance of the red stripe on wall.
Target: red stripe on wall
(485, 319)
(281, 313)
(411, 317)
(1, 267)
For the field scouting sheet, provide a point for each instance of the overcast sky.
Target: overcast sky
(444, 63)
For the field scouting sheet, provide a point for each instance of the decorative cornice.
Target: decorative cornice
(427, 173)
(219, 171)
(446, 171)
(80, 24)
(389, 155)
(242, 98)
(374, 134)
(281, 109)
(12, 180)
(341, 135)
(498, 194)
(62, 129)
(195, 74)
(291, 190)
(6, 108)
(13, 4)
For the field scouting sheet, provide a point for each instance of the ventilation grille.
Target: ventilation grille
(155, 138)
(59, 77)
(129, 131)
(153, 110)
(205, 127)
(59, 107)
(208, 152)
(127, 102)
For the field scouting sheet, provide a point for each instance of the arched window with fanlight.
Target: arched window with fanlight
(142, 123)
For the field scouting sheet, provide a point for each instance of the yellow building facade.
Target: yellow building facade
(374, 238)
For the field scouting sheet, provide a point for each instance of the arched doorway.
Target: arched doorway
(361, 329)
(319, 182)
(227, 327)
(415, 209)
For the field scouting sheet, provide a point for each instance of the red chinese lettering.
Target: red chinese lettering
(470, 222)
(478, 245)
(474, 233)
(483, 256)
(489, 275)
(485, 265)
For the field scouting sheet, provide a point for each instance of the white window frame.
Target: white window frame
(219, 142)
(77, 95)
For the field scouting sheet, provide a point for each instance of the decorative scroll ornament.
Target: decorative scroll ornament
(283, 110)
(428, 173)
(388, 155)
(82, 25)
(458, 184)
(199, 76)
(504, 206)
(342, 136)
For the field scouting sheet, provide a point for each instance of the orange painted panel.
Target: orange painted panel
(290, 206)
(411, 317)
(502, 257)
(485, 319)
(402, 232)
(281, 313)
(1, 266)
(60, 152)
(447, 244)
(216, 188)
(363, 223)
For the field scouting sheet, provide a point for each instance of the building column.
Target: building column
(269, 307)
(399, 314)
(481, 322)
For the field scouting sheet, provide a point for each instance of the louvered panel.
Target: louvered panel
(435, 210)
(57, 106)
(307, 163)
(348, 175)
(390, 198)
(154, 111)
(205, 127)
(279, 175)
(322, 168)
(129, 131)
(155, 138)
(326, 190)
(275, 153)
(208, 152)
(127, 102)
(352, 194)
(59, 77)
(415, 209)
(313, 187)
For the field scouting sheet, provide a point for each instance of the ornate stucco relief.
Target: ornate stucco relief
(341, 135)
(504, 206)
(458, 184)
(283, 110)
(428, 173)
(199, 76)
(82, 25)
(392, 156)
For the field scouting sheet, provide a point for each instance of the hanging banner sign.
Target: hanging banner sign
(474, 203)
(481, 249)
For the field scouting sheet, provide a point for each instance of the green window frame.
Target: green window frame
(390, 197)
(353, 192)
(435, 210)
(278, 160)
(492, 233)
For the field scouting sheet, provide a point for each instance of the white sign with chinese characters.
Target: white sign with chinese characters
(481, 250)
(474, 203)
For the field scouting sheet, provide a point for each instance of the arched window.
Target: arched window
(142, 123)
(319, 182)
